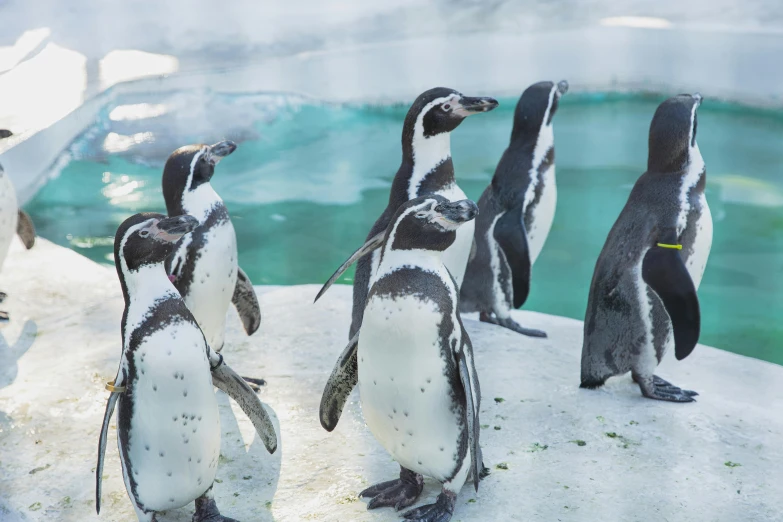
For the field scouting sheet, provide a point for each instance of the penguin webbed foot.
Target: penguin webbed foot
(254, 383)
(207, 511)
(509, 323)
(440, 511)
(663, 390)
(399, 493)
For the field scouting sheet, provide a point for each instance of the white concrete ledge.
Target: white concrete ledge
(567, 454)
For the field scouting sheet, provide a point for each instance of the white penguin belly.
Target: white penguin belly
(405, 396)
(543, 215)
(174, 436)
(214, 280)
(697, 261)
(8, 215)
(647, 360)
(456, 256)
(503, 294)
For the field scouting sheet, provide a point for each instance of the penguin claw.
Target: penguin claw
(669, 393)
(207, 511)
(670, 397)
(665, 386)
(509, 323)
(440, 511)
(399, 493)
(255, 384)
(663, 390)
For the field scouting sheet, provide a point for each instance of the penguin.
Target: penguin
(418, 385)
(168, 427)
(515, 213)
(426, 168)
(13, 220)
(204, 266)
(643, 294)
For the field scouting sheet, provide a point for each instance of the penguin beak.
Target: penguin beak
(220, 150)
(173, 228)
(467, 106)
(562, 87)
(457, 212)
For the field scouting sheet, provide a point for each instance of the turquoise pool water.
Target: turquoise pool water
(308, 180)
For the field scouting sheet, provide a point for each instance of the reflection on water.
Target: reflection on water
(308, 180)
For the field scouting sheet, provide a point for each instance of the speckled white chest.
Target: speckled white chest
(8, 214)
(405, 397)
(214, 280)
(544, 210)
(697, 261)
(174, 436)
(543, 215)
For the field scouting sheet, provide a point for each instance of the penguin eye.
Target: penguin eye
(144, 233)
(421, 215)
(446, 107)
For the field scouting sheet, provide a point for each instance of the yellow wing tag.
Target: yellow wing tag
(673, 247)
(114, 389)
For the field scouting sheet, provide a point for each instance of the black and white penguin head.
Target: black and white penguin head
(148, 239)
(672, 145)
(428, 223)
(188, 168)
(437, 112)
(536, 108)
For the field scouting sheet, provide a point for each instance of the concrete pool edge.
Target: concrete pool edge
(723, 65)
(714, 459)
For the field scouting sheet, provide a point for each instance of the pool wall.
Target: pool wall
(735, 65)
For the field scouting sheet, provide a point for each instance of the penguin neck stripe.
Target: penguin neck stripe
(389, 242)
(428, 152)
(666, 245)
(193, 163)
(121, 253)
(544, 142)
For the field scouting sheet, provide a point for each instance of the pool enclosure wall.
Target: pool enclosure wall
(611, 54)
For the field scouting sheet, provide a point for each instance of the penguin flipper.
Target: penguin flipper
(25, 229)
(664, 271)
(102, 447)
(227, 380)
(246, 303)
(511, 235)
(471, 416)
(341, 382)
(371, 244)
